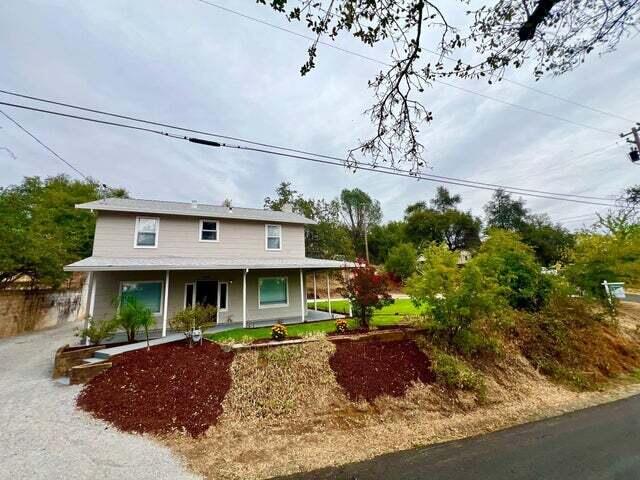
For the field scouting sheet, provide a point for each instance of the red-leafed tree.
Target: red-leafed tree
(366, 289)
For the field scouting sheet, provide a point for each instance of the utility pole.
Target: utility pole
(366, 241)
(634, 154)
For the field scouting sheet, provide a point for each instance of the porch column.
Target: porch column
(91, 303)
(303, 296)
(244, 297)
(165, 309)
(315, 295)
(329, 295)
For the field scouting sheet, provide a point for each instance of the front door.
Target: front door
(207, 292)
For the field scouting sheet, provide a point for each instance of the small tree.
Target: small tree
(132, 316)
(194, 318)
(402, 260)
(366, 289)
(453, 297)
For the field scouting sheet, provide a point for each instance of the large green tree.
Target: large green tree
(504, 212)
(442, 223)
(359, 213)
(41, 230)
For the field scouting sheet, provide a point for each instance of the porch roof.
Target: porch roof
(97, 264)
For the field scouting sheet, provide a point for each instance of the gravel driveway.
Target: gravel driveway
(43, 436)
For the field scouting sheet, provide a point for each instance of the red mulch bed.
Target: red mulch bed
(367, 370)
(171, 387)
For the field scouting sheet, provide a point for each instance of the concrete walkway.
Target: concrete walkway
(43, 436)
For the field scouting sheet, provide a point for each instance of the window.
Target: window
(146, 232)
(273, 292)
(222, 300)
(147, 293)
(273, 237)
(208, 230)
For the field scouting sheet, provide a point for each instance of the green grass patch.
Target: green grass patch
(388, 315)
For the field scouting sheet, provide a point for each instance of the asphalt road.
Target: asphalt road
(597, 443)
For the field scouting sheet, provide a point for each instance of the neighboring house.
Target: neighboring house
(250, 263)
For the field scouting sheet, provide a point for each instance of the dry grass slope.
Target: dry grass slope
(285, 413)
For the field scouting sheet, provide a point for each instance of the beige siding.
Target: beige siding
(108, 289)
(178, 236)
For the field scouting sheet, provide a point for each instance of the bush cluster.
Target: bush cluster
(278, 332)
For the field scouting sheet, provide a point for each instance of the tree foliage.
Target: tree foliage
(453, 298)
(504, 212)
(359, 212)
(401, 260)
(505, 258)
(552, 36)
(598, 257)
(366, 289)
(442, 223)
(41, 230)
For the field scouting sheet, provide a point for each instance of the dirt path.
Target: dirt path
(43, 436)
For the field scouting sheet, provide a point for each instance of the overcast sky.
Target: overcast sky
(187, 63)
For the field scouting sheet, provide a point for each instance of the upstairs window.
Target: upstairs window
(209, 230)
(273, 237)
(146, 232)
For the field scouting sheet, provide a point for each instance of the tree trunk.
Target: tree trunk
(528, 28)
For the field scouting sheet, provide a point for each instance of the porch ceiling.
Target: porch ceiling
(97, 264)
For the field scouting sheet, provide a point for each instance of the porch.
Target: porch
(259, 293)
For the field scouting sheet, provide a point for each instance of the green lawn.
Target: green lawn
(389, 315)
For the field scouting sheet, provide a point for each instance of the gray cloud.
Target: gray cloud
(193, 65)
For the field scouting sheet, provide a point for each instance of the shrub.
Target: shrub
(366, 289)
(278, 332)
(98, 330)
(454, 299)
(504, 257)
(197, 317)
(133, 316)
(401, 261)
(453, 373)
(342, 326)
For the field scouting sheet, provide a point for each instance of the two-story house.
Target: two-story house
(249, 263)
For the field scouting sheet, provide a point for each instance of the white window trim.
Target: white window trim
(276, 305)
(193, 294)
(161, 282)
(135, 234)
(226, 309)
(201, 223)
(266, 237)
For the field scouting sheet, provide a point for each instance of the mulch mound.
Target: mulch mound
(367, 370)
(170, 388)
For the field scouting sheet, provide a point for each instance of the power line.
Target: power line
(49, 149)
(473, 92)
(360, 166)
(294, 150)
